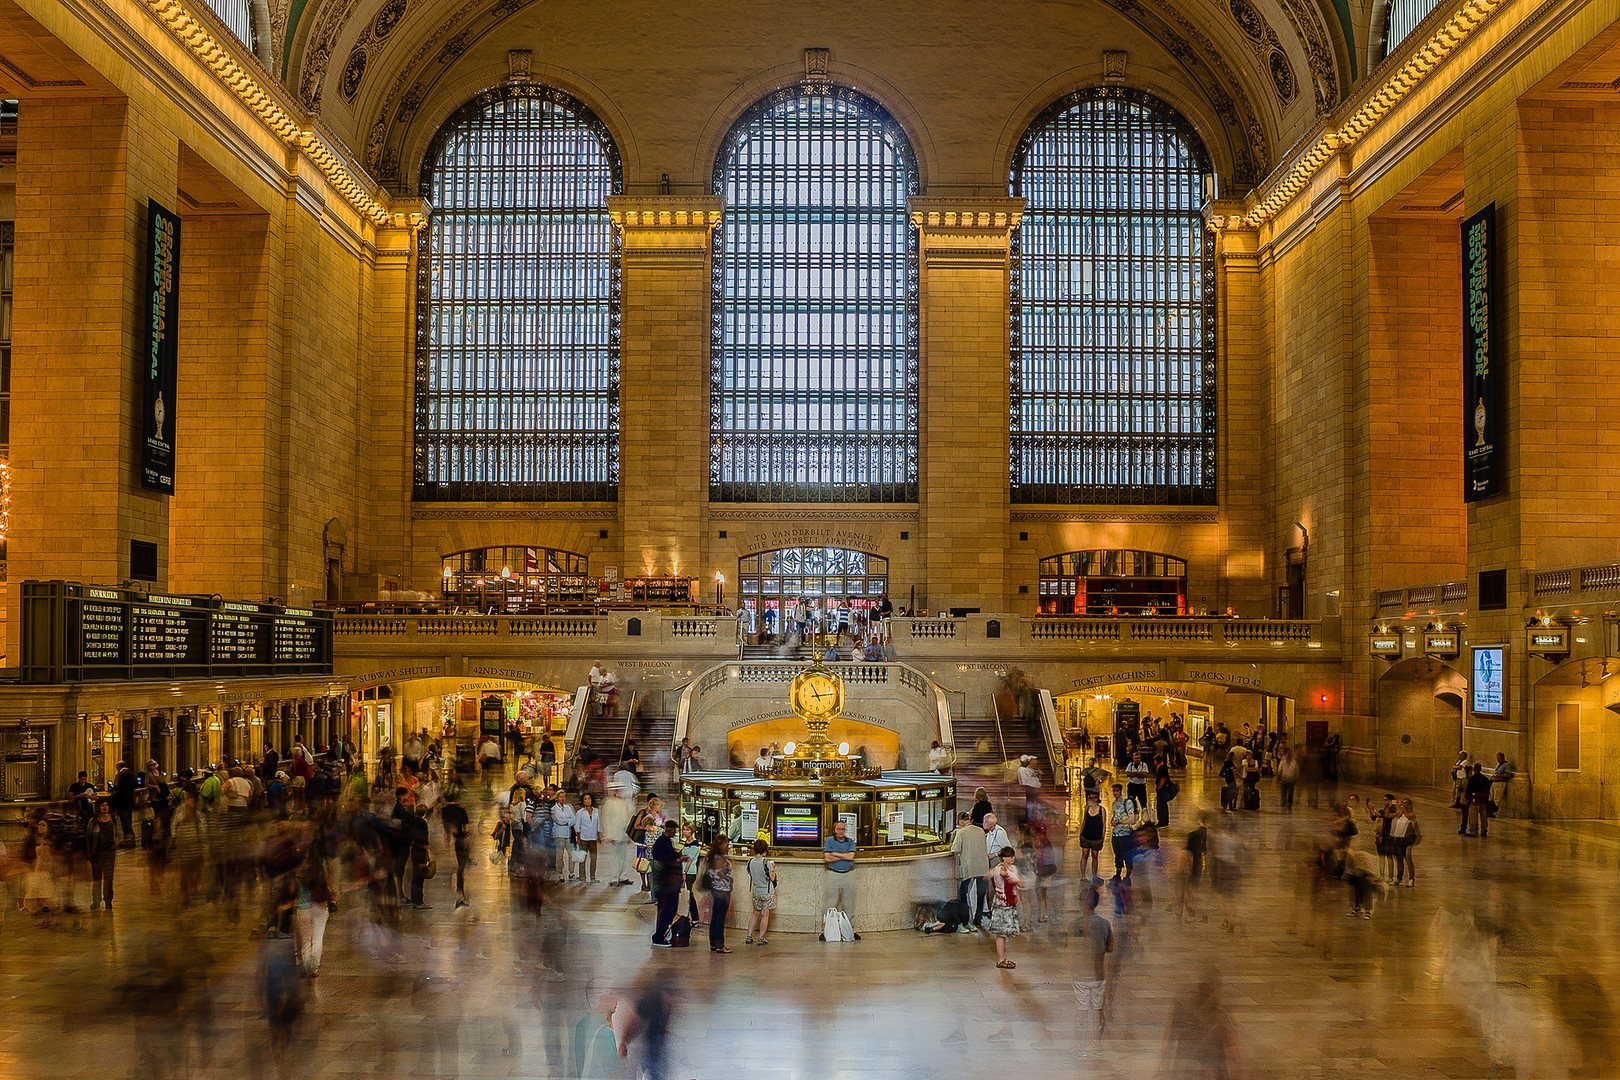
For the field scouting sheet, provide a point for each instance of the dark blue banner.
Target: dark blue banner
(161, 318)
(1482, 445)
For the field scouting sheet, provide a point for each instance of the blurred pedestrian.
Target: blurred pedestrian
(457, 829)
(1095, 936)
(587, 833)
(666, 877)
(1004, 881)
(719, 875)
(1093, 830)
(762, 890)
(1124, 816)
(101, 848)
(1404, 835)
(1287, 776)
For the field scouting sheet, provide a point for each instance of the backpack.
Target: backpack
(768, 888)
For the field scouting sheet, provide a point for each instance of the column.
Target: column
(85, 170)
(664, 379)
(963, 296)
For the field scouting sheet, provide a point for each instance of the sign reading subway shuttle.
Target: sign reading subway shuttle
(158, 362)
(1481, 431)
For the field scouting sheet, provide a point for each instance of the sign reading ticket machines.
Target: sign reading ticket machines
(1481, 431)
(158, 361)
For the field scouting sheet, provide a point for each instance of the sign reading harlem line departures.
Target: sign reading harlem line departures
(161, 356)
(1481, 431)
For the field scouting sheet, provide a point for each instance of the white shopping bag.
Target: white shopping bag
(846, 932)
(829, 925)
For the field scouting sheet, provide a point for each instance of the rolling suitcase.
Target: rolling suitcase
(1251, 799)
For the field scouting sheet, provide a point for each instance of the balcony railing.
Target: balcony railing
(1435, 597)
(989, 634)
(1575, 584)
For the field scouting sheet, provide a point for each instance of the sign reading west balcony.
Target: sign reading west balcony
(1481, 430)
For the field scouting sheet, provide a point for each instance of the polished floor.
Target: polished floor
(1502, 961)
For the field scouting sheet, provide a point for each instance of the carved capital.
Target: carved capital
(964, 216)
(665, 212)
(1226, 215)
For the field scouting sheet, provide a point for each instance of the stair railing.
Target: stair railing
(629, 714)
(995, 711)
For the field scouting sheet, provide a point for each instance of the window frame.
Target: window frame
(518, 445)
(1152, 491)
(765, 448)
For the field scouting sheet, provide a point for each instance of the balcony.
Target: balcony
(1047, 637)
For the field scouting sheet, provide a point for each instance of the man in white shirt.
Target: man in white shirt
(995, 838)
(562, 837)
(1136, 778)
(1459, 779)
(937, 757)
(1030, 781)
(763, 762)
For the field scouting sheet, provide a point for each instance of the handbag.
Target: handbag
(578, 855)
(429, 868)
(1170, 790)
(643, 865)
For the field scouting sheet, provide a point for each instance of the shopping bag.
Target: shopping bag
(830, 930)
(846, 932)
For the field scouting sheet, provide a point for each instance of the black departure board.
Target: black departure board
(79, 633)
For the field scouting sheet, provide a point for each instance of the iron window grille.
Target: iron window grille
(517, 372)
(814, 319)
(1113, 307)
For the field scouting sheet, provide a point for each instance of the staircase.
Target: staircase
(971, 733)
(653, 734)
(804, 653)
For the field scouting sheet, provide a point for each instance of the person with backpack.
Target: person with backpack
(762, 890)
(1125, 815)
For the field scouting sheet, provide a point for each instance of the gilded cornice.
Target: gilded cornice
(671, 212)
(1412, 73)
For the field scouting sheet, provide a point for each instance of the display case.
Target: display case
(897, 813)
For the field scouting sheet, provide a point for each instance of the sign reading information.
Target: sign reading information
(158, 362)
(1481, 432)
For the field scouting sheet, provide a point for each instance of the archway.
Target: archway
(1569, 762)
(840, 587)
(1420, 721)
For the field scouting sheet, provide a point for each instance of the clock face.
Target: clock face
(818, 694)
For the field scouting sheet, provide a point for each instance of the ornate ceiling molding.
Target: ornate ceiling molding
(1267, 47)
(330, 24)
(1147, 517)
(1317, 41)
(1209, 69)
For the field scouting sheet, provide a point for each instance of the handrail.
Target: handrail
(1056, 745)
(629, 715)
(995, 711)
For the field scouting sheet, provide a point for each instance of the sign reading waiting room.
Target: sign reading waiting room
(1481, 431)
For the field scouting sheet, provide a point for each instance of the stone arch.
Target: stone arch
(401, 137)
(706, 151)
(1420, 721)
(1193, 108)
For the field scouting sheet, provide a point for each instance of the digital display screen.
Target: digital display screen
(796, 831)
(1488, 680)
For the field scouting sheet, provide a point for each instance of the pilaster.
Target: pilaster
(664, 378)
(964, 281)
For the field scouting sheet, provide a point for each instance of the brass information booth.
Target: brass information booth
(898, 820)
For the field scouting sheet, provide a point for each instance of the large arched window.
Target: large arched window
(815, 305)
(517, 373)
(1113, 329)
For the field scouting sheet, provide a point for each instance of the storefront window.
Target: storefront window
(1113, 582)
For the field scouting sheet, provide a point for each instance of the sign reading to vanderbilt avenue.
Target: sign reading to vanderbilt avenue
(1481, 431)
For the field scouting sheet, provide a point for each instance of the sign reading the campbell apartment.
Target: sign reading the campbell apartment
(158, 361)
(1481, 431)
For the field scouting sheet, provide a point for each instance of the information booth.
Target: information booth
(897, 813)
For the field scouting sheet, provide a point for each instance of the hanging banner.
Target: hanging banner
(1481, 432)
(158, 362)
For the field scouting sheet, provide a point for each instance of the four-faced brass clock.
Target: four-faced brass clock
(817, 694)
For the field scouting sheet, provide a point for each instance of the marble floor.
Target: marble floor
(1502, 961)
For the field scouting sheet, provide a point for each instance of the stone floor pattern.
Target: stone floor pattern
(1502, 961)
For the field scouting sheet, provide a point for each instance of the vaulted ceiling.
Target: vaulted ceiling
(963, 77)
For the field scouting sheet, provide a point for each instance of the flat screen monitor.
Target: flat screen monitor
(796, 831)
(1488, 680)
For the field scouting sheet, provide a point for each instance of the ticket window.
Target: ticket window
(24, 764)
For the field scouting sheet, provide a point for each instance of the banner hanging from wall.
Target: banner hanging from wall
(1482, 433)
(158, 362)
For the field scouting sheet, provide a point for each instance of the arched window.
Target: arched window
(1113, 327)
(517, 372)
(1401, 17)
(815, 305)
(237, 16)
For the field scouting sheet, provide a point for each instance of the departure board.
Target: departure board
(169, 636)
(78, 633)
(298, 637)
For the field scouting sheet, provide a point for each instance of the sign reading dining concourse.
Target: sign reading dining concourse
(161, 317)
(1481, 431)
